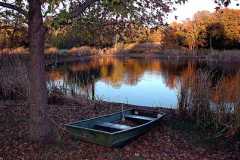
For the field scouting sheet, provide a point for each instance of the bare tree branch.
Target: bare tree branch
(14, 7)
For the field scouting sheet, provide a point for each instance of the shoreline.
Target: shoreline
(222, 56)
(79, 57)
(164, 141)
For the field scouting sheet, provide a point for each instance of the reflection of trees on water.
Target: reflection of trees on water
(74, 83)
(223, 80)
(82, 76)
(172, 70)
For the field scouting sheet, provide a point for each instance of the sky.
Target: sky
(192, 6)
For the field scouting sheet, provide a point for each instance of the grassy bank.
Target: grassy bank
(137, 50)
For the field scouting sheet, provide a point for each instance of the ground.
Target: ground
(163, 142)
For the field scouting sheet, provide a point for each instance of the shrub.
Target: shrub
(84, 50)
(51, 50)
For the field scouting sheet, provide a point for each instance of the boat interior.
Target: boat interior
(117, 122)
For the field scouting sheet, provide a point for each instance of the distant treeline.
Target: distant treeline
(218, 30)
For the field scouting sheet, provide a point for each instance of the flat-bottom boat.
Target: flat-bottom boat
(115, 130)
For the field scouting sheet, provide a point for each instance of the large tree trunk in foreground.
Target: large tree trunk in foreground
(40, 128)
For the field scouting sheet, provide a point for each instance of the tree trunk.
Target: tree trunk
(211, 47)
(40, 126)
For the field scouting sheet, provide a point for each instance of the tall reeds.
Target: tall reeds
(211, 106)
(14, 82)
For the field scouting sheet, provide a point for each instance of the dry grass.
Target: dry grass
(51, 50)
(141, 48)
(13, 77)
(216, 108)
(226, 55)
(84, 50)
(228, 105)
(19, 50)
(22, 50)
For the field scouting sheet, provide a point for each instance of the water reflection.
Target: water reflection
(150, 82)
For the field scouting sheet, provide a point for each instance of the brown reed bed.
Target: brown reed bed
(213, 108)
(13, 77)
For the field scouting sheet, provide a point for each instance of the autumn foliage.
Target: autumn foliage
(218, 30)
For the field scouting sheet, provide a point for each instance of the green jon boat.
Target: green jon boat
(116, 129)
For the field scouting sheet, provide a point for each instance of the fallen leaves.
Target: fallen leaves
(160, 143)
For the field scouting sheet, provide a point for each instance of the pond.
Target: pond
(138, 81)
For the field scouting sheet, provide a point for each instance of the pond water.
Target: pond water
(144, 82)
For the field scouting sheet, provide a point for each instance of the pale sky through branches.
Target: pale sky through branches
(192, 6)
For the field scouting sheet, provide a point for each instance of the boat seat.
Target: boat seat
(139, 118)
(113, 126)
